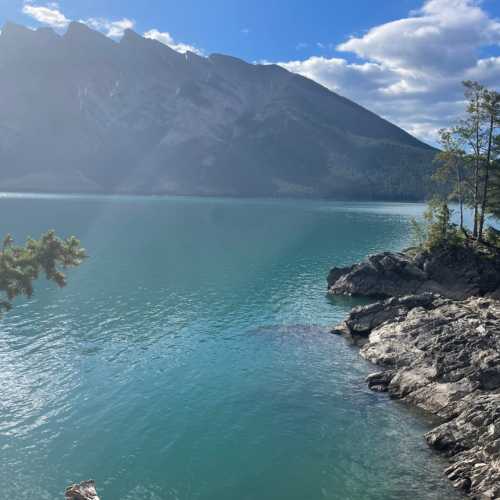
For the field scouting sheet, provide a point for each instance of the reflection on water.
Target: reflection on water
(189, 356)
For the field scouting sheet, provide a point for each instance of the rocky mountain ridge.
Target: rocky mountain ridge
(83, 113)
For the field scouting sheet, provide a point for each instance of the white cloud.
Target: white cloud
(410, 70)
(49, 15)
(442, 37)
(113, 29)
(167, 39)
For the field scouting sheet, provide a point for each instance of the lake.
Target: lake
(189, 357)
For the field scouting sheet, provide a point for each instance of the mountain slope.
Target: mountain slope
(83, 113)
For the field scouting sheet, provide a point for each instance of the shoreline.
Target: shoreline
(101, 194)
(438, 354)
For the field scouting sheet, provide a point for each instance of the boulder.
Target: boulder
(382, 275)
(83, 491)
(453, 272)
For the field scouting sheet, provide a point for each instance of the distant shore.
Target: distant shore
(232, 196)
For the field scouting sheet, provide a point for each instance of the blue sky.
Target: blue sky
(276, 27)
(274, 30)
(400, 58)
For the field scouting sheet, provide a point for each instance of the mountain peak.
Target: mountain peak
(12, 30)
(47, 33)
(15, 39)
(76, 28)
(136, 116)
(130, 35)
(87, 40)
(134, 42)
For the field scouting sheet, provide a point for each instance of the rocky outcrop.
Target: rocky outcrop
(442, 356)
(382, 275)
(472, 439)
(83, 491)
(457, 273)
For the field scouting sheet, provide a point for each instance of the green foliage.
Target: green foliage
(468, 164)
(437, 217)
(451, 159)
(492, 237)
(469, 152)
(436, 228)
(494, 188)
(418, 232)
(21, 265)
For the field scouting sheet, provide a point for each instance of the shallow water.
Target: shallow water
(189, 357)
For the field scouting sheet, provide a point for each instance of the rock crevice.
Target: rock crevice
(443, 356)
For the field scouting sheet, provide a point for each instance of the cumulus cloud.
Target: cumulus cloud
(49, 15)
(410, 70)
(113, 29)
(167, 39)
(442, 37)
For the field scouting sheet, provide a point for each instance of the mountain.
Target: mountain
(82, 113)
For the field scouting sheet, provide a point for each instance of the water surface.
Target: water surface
(189, 357)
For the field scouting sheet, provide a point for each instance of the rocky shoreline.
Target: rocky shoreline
(456, 273)
(439, 350)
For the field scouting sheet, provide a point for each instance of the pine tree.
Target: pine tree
(471, 131)
(493, 202)
(20, 266)
(491, 106)
(440, 231)
(469, 152)
(453, 167)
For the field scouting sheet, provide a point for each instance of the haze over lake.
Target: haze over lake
(189, 358)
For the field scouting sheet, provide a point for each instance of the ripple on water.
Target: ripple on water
(189, 357)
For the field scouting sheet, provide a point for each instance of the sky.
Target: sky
(403, 59)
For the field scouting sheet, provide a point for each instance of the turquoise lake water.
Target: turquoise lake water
(189, 357)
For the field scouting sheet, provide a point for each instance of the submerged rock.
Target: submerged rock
(456, 272)
(83, 491)
(443, 356)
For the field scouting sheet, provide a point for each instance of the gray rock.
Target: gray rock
(381, 275)
(455, 273)
(83, 491)
(379, 381)
(442, 356)
(363, 319)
